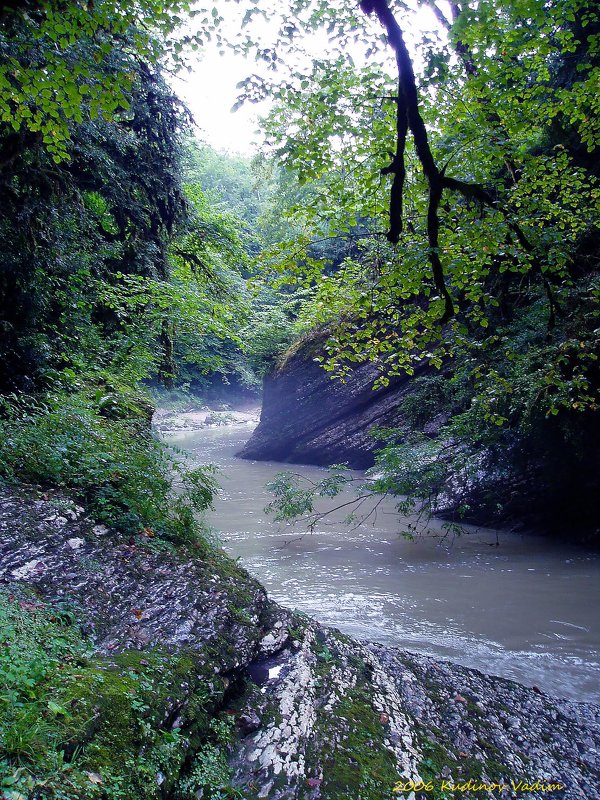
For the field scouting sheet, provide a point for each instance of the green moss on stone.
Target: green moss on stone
(437, 758)
(360, 766)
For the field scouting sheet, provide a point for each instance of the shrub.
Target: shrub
(127, 477)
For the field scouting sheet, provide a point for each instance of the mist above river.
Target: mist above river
(526, 609)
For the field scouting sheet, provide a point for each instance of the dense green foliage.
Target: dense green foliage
(546, 194)
(65, 63)
(480, 256)
(69, 232)
(102, 448)
(105, 259)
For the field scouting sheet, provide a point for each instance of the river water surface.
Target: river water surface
(527, 609)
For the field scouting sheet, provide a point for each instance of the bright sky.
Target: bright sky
(210, 91)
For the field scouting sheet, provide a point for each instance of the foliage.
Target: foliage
(76, 725)
(71, 231)
(270, 329)
(90, 443)
(78, 62)
(476, 183)
(523, 222)
(295, 495)
(36, 643)
(209, 301)
(237, 219)
(229, 182)
(210, 774)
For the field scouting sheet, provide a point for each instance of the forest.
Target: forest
(426, 200)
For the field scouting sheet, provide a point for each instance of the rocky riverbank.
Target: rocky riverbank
(529, 477)
(167, 420)
(196, 685)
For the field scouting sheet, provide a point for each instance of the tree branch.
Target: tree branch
(398, 169)
(408, 117)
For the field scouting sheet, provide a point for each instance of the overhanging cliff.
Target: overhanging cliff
(308, 418)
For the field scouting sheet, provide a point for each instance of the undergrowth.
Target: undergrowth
(87, 443)
(79, 726)
(38, 648)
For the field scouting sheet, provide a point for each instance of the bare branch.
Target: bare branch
(409, 117)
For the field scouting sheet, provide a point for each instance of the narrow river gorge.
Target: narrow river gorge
(526, 609)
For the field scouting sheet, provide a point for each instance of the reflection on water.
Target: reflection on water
(526, 610)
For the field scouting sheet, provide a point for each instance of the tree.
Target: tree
(70, 62)
(485, 260)
(536, 180)
(70, 228)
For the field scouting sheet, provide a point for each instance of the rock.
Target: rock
(99, 530)
(328, 713)
(27, 570)
(76, 542)
(273, 641)
(309, 418)
(248, 722)
(117, 584)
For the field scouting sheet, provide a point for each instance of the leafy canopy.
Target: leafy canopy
(58, 62)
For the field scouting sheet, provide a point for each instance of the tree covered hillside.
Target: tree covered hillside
(427, 195)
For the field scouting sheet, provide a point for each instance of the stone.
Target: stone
(248, 722)
(308, 418)
(76, 542)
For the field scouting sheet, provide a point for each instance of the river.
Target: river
(527, 609)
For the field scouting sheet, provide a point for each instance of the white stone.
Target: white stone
(75, 543)
(28, 569)
(99, 530)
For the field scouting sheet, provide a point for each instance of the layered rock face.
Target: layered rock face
(308, 418)
(311, 714)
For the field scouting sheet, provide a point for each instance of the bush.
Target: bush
(114, 464)
(75, 725)
(37, 645)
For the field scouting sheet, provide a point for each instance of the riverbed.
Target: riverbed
(525, 608)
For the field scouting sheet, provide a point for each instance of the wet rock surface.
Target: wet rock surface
(317, 714)
(131, 593)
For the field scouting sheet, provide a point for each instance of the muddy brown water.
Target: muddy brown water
(526, 609)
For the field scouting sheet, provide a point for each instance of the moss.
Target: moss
(298, 626)
(127, 727)
(438, 757)
(127, 706)
(307, 347)
(359, 766)
(241, 616)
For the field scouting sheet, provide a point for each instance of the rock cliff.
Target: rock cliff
(309, 418)
(196, 686)
(509, 478)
